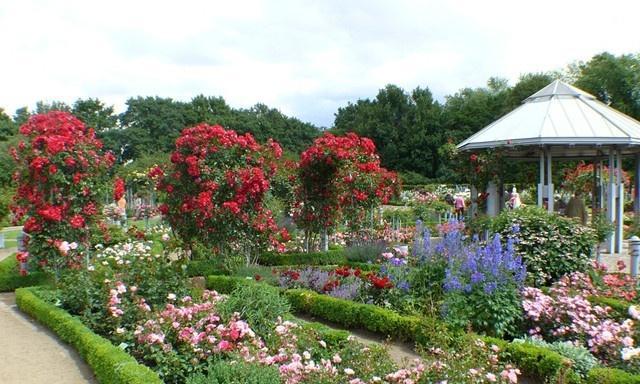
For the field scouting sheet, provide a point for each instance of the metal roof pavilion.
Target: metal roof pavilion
(561, 121)
(565, 119)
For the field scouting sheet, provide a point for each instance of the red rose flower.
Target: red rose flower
(77, 221)
(51, 213)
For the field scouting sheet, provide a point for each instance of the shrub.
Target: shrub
(582, 361)
(340, 179)
(10, 279)
(367, 252)
(215, 190)
(59, 175)
(611, 376)
(551, 246)
(238, 372)
(259, 304)
(110, 364)
(331, 257)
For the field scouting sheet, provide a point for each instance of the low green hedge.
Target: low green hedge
(331, 257)
(354, 315)
(541, 363)
(205, 268)
(611, 376)
(10, 278)
(110, 364)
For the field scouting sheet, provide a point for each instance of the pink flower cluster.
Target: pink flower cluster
(566, 314)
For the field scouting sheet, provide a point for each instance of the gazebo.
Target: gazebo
(561, 121)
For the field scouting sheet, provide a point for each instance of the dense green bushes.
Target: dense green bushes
(550, 245)
(335, 257)
(110, 364)
(611, 376)
(10, 278)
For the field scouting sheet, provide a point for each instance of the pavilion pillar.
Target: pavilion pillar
(549, 183)
(620, 201)
(541, 181)
(611, 192)
(636, 189)
(473, 210)
(594, 190)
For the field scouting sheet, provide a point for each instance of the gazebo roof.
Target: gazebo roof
(562, 118)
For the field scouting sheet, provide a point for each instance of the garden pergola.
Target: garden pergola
(561, 121)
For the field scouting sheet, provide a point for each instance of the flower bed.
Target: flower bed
(110, 364)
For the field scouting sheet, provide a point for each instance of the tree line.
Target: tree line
(414, 133)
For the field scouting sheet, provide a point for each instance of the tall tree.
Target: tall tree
(21, 116)
(44, 107)
(614, 80)
(7, 126)
(152, 124)
(95, 114)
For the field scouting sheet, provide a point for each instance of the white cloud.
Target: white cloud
(306, 58)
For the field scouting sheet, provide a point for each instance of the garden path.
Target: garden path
(31, 354)
(5, 252)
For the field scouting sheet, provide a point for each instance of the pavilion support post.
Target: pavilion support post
(620, 201)
(601, 186)
(594, 191)
(549, 184)
(611, 192)
(636, 190)
(541, 181)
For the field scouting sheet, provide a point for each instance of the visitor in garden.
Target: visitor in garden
(514, 200)
(577, 208)
(459, 206)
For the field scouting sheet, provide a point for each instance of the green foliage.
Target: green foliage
(95, 114)
(550, 245)
(354, 315)
(226, 284)
(426, 284)
(7, 127)
(541, 363)
(10, 278)
(366, 252)
(582, 361)
(331, 257)
(259, 304)
(611, 376)
(110, 364)
(237, 372)
(205, 268)
(495, 314)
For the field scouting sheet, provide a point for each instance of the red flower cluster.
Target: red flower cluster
(118, 189)
(216, 186)
(340, 178)
(58, 168)
(380, 282)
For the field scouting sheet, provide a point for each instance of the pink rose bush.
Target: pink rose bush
(566, 314)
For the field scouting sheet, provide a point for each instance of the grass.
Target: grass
(10, 237)
(140, 223)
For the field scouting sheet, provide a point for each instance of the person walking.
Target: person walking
(459, 206)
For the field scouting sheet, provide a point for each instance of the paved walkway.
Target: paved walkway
(5, 252)
(31, 354)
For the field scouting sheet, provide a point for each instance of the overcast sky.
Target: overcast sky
(306, 58)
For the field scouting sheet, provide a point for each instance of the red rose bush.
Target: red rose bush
(215, 189)
(59, 175)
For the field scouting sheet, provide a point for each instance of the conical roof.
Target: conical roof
(558, 115)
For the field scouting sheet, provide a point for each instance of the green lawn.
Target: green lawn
(10, 237)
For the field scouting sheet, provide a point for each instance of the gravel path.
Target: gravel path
(31, 354)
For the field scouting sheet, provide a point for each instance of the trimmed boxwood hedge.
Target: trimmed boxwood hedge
(331, 257)
(611, 376)
(110, 364)
(10, 278)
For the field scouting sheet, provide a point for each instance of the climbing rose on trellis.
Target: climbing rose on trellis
(59, 175)
(215, 190)
(340, 179)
